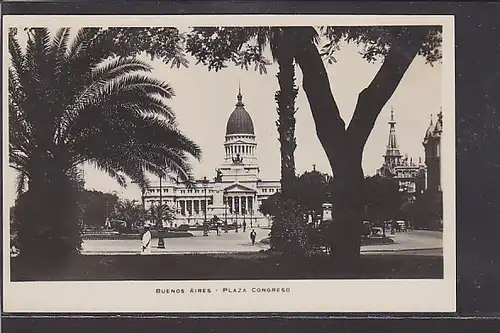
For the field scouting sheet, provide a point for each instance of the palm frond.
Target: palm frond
(16, 55)
(21, 183)
(58, 48)
(119, 67)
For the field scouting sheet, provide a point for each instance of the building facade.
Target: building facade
(234, 194)
(410, 174)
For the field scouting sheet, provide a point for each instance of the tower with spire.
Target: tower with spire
(392, 157)
(411, 175)
(432, 146)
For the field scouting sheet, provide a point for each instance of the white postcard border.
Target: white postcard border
(367, 296)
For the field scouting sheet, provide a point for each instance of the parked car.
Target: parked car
(401, 225)
(183, 227)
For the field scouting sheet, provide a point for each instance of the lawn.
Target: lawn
(231, 266)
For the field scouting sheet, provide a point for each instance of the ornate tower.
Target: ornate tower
(392, 156)
(432, 145)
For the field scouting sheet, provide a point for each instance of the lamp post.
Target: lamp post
(205, 227)
(161, 240)
(236, 212)
(225, 212)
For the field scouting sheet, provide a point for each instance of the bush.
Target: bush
(288, 233)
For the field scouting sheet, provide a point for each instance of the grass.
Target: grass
(226, 267)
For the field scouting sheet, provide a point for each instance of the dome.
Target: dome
(240, 121)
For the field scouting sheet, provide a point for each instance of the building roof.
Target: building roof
(239, 121)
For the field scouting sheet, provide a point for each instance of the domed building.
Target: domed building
(235, 192)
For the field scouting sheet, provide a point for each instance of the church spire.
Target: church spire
(392, 153)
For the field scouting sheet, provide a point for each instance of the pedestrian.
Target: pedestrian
(217, 228)
(146, 241)
(244, 226)
(253, 234)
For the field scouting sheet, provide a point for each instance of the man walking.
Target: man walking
(146, 240)
(244, 226)
(253, 234)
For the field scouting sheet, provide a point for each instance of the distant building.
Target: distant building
(432, 145)
(236, 191)
(410, 174)
(434, 193)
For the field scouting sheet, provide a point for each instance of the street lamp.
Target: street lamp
(236, 212)
(161, 240)
(205, 227)
(225, 212)
(251, 218)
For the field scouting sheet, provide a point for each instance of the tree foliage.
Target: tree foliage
(313, 189)
(376, 41)
(383, 199)
(269, 206)
(157, 214)
(96, 206)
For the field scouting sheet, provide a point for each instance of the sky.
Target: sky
(204, 100)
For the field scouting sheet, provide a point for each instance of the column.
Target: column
(250, 206)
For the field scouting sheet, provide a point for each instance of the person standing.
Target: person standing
(146, 241)
(253, 234)
(244, 226)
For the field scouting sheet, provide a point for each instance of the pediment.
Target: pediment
(238, 188)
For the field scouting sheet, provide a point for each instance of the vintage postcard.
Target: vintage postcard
(229, 163)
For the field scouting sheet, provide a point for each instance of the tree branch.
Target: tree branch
(373, 98)
(330, 126)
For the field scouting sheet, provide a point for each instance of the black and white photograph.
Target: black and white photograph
(229, 163)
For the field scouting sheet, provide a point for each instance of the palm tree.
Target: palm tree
(74, 103)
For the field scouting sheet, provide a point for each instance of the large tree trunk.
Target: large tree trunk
(344, 148)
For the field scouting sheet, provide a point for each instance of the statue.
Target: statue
(218, 177)
(238, 159)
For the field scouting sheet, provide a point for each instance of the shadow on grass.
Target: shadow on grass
(226, 267)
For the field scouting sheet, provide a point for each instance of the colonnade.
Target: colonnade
(193, 206)
(240, 149)
(241, 204)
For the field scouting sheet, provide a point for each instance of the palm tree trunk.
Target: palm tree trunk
(285, 99)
